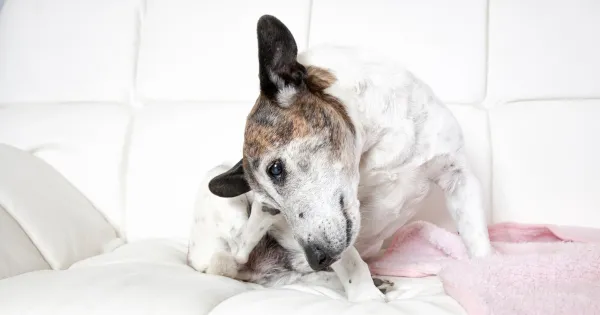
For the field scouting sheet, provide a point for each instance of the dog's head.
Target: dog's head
(299, 150)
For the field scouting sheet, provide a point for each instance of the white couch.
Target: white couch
(133, 100)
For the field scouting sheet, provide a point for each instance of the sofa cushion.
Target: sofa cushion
(64, 50)
(449, 55)
(541, 49)
(545, 162)
(59, 220)
(206, 50)
(151, 277)
(84, 141)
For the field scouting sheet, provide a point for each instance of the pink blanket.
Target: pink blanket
(536, 269)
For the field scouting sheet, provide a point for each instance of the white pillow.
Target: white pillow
(59, 220)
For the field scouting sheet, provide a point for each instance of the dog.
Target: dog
(345, 145)
(237, 237)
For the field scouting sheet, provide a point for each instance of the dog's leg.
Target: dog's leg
(464, 201)
(258, 225)
(355, 276)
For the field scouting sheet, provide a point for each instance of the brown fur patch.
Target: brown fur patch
(313, 112)
(319, 79)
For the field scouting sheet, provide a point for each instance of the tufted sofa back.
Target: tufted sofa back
(133, 100)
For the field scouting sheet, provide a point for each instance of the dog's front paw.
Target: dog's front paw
(242, 254)
(383, 285)
(223, 264)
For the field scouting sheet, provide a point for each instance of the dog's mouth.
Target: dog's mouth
(348, 231)
(349, 224)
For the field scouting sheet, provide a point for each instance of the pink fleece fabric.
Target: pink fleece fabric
(537, 269)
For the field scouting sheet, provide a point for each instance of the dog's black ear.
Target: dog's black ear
(277, 52)
(231, 183)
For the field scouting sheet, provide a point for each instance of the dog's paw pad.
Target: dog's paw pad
(383, 285)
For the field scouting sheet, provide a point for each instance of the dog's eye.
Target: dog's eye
(276, 169)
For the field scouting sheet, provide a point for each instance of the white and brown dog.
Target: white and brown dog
(345, 145)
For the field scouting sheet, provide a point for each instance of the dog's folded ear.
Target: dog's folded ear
(277, 52)
(231, 183)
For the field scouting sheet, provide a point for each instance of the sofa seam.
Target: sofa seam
(491, 166)
(134, 105)
(309, 23)
(486, 56)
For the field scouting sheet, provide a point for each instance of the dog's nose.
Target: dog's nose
(318, 258)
